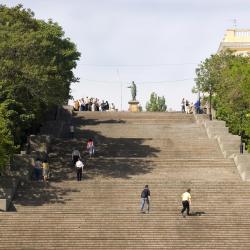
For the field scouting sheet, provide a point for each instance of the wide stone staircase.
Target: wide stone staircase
(167, 151)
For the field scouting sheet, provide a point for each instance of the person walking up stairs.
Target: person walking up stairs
(145, 198)
(186, 202)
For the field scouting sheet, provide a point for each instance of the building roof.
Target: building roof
(237, 40)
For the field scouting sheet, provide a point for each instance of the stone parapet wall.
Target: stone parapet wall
(58, 127)
(38, 147)
(242, 162)
(21, 168)
(8, 186)
(39, 143)
(229, 144)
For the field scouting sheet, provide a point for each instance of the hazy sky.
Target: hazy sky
(156, 43)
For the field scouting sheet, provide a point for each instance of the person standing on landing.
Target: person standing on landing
(145, 198)
(186, 202)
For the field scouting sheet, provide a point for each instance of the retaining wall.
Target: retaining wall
(229, 144)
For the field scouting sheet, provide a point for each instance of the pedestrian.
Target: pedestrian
(191, 108)
(197, 107)
(71, 131)
(145, 198)
(45, 167)
(186, 202)
(183, 105)
(76, 105)
(75, 156)
(37, 169)
(90, 147)
(187, 107)
(79, 169)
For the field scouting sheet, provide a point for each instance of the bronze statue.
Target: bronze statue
(133, 90)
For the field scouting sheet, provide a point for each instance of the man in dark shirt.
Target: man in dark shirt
(75, 156)
(145, 197)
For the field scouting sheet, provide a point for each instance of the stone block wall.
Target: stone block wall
(21, 168)
(8, 188)
(229, 144)
(38, 146)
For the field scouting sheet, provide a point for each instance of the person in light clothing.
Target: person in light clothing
(186, 202)
(45, 167)
(90, 147)
(79, 169)
(183, 105)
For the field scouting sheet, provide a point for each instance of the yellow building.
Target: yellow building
(237, 40)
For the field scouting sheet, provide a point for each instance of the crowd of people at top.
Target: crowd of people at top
(189, 108)
(92, 104)
(186, 106)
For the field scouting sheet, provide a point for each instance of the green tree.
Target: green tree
(6, 144)
(36, 68)
(228, 76)
(156, 103)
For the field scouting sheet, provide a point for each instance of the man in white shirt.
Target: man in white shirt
(186, 202)
(79, 169)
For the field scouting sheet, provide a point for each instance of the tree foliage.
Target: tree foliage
(228, 77)
(36, 63)
(156, 103)
(6, 143)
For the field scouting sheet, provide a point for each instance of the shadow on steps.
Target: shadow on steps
(198, 213)
(35, 193)
(115, 158)
(81, 120)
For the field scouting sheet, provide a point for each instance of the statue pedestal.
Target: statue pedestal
(133, 106)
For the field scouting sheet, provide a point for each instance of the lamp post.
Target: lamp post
(119, 79)
(198, 108)
(210, 102)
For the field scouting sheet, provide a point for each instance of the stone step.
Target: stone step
(168, 151)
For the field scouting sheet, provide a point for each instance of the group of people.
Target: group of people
(92, 104)
(41, 170)
(185, 197)
(77, 159)
(187, 106)
(41, 167)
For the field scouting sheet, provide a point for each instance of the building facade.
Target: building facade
(237, 40)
